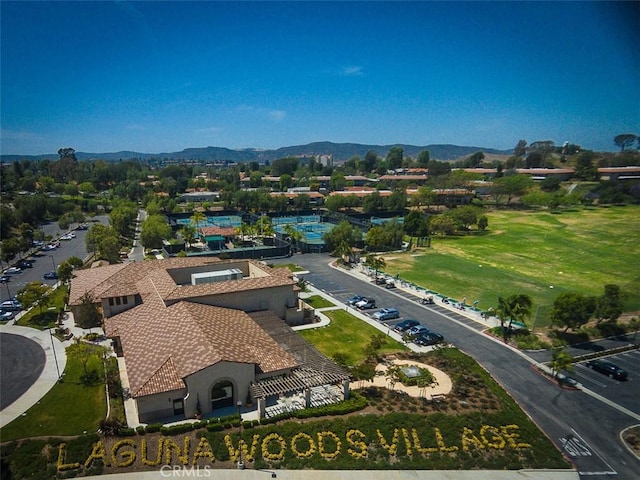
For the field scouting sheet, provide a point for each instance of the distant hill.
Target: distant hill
(340, 152)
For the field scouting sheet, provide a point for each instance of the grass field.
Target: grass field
(536, 253)
(316, 301)
(69, 408)
(348, 335)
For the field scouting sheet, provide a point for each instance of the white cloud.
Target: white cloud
(277, 115)
(208, 130)
(352, 71)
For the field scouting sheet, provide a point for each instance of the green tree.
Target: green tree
(372, 203)
(397, 201)
(515, 308)
(387, 236)
(609, 306)
(286, 181)
(376, 262)
(104, 242)
(188, 234)
(511, 186)
(624, 140)
(34, 294)
(197, 218)
(153, 231)
(585, 170)
(572, 310)
(423, 159)
(520, 149)
(442, 224)
(283, 166)
(88, 314)
(343, 234)
(561, 360)
(394, 158)
(370, 162)
(65, 271)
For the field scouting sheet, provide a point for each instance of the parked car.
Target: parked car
(51, 276)
(608, 368)
(366, 303)
(381, 280)
(6, 315)
(354, 299)
(83, 226)
(389, 283)
(427, 339)
(417, 330)
(11, 306)
(68, 236)
(386, 314)
(5, 278)
(24, 264)
(13, 270)
(405, 325)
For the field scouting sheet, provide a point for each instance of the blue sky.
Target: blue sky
(162, 76)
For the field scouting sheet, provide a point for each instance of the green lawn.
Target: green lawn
(316, 301)
(69, 408)
(49, 314)
(348, 335)
(537, 253)
(291, 266)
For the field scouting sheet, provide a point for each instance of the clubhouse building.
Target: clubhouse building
(201, 335)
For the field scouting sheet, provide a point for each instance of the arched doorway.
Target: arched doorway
(222, 395)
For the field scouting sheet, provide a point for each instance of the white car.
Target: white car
(13, 270)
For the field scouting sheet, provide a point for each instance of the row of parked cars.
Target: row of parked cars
(9, 309)
(419, 334)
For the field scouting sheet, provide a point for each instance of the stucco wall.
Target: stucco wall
(200, 383)
(152, 408)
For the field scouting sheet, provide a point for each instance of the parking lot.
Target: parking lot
(624, 393)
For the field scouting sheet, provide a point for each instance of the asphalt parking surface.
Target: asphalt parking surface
(21, 363)
(624, 393)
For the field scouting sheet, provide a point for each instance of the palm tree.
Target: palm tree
(375, 262)
(196, 218)
(293, 234)
(561, 360)
(188, 233)
(514, 308)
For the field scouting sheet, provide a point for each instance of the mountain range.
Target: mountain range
(340, 152)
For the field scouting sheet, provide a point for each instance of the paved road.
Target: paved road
(21, 363)
(584, 425)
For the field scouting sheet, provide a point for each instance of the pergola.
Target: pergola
(314, 369)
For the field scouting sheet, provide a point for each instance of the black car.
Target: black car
(51, 276)
(427, 339)
(608, 368)
(5, 278)
(405, 325)
(24, 264)
(355, 299)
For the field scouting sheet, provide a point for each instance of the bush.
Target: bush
(153, 427)
(127, 432)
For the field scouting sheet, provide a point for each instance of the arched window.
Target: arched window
(222, 395)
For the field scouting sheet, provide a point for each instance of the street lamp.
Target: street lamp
(55, 357)
(240, 462)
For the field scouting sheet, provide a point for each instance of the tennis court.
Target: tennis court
(311, 232)
(223, 221)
